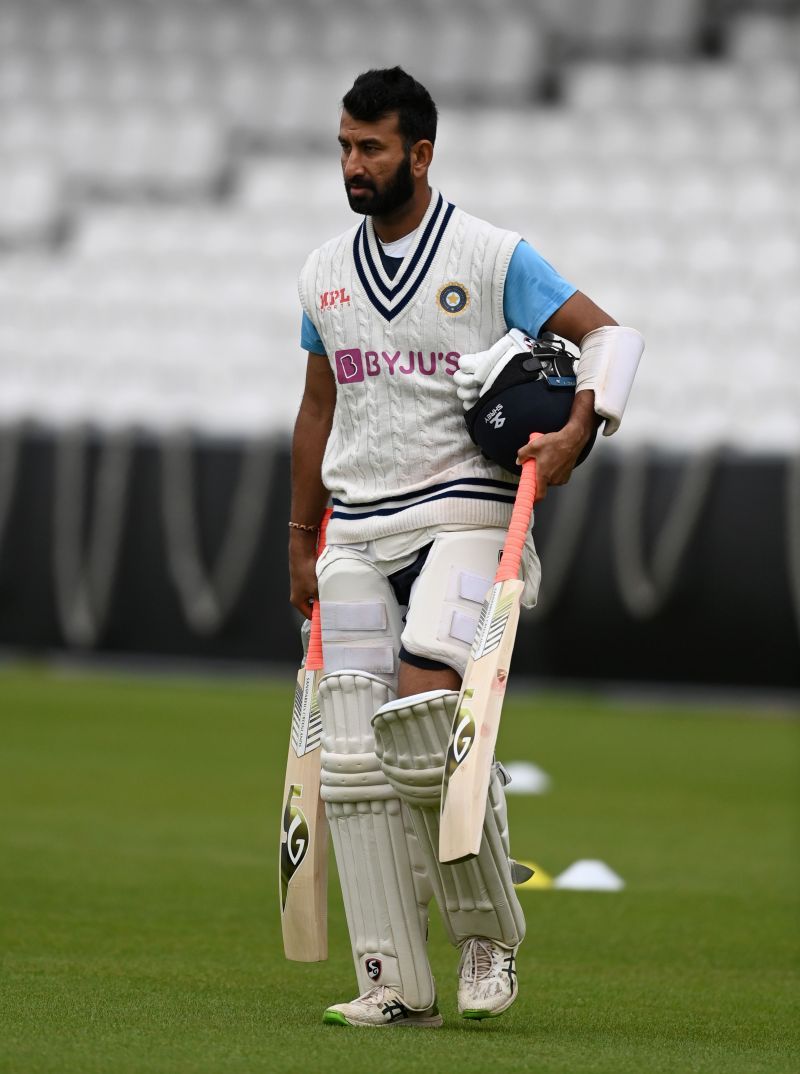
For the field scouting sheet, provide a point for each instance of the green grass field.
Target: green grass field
(138, 827)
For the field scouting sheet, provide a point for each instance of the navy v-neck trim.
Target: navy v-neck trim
(390, 301)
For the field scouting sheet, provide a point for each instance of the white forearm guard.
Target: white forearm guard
(607, 365)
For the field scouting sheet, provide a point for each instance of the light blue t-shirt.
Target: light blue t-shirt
(533, 292)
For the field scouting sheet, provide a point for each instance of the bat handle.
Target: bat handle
(314, 661)
(520, 521)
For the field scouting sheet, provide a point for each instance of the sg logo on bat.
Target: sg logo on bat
(462, 737)
(294, 844)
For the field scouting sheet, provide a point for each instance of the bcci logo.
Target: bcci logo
(453, 298)
(294, 841)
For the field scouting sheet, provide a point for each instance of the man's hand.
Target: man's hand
(302, 570)
(557, 453)
(477, 372)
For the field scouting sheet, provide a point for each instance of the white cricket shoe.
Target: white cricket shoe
(487, 978)
(381, 1006)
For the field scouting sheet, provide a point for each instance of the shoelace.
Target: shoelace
(478, 960)
(375, 995)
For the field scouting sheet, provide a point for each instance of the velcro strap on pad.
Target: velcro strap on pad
(377, 659)
(463, 627)
(352, 615)
(473, 587)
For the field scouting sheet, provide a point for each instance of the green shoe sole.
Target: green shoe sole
(478, 1016)
(334, 1018)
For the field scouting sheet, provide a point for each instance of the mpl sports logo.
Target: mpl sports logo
(328, 300)
(354, 365)
(294, 839)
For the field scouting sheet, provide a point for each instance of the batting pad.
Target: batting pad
(476, 897)
(361, 622)
(381, 869)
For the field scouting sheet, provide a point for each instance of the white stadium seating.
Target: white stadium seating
(164, 168)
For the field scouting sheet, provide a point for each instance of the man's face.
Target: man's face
(376, 165)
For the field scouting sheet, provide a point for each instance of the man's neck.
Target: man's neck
(406, 219)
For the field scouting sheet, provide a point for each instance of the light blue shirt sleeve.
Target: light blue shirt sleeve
(309, 337)
(533, 290)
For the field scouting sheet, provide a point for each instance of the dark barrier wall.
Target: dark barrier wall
(655, 568)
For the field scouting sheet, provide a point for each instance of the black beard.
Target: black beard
(398, 192)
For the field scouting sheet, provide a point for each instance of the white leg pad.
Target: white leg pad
(476, 897)
(381, 869)
(361, 622)
(447, 597)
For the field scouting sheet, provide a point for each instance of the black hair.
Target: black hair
(377, 93)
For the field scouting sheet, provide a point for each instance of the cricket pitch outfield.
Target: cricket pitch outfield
(139, 922)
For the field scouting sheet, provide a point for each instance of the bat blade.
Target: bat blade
(470, 751)
(303, 856)
(303, 866)
(477, 720)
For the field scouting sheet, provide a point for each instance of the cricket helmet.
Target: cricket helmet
(533, 392)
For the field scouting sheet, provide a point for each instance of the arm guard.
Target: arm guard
(607, 365)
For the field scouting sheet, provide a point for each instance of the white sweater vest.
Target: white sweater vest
(399, 456)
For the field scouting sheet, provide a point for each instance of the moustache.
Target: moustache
(365, 184)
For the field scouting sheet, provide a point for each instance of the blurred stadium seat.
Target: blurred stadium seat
(168, 166)
(165, 167)
(32, 206)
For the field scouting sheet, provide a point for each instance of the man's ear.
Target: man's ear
(421, 156)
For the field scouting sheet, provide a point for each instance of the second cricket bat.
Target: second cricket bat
(303, 865)
(470, 751)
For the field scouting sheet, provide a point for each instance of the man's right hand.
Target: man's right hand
(477, 372)
(302, 570)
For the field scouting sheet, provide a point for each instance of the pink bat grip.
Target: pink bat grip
(508, 568)
(314, 661)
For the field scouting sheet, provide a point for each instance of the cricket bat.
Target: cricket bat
(470, 752)
(303, 863)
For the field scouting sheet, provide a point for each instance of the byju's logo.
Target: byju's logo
(354, 365)
(349, 366)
